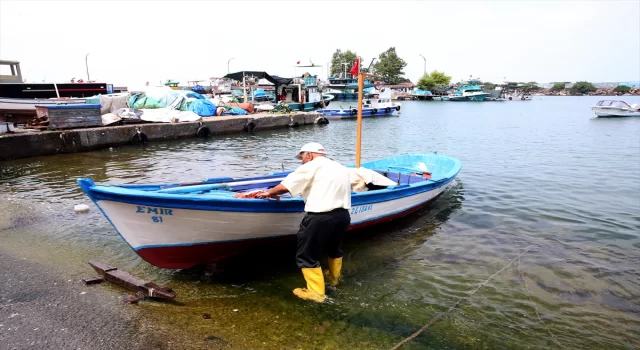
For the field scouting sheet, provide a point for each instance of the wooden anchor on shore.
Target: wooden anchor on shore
(124, 279)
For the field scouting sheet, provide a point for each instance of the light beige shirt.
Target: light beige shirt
(324, 185)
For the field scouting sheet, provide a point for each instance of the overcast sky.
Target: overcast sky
(131, 42)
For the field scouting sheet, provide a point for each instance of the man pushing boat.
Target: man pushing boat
(325, 186)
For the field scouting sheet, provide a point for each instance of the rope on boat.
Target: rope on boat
(441, 315)
(535, 306)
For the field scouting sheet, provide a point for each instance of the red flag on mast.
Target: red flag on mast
(356, 67)
(298, 62)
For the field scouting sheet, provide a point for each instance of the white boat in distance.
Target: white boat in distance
(615, 109)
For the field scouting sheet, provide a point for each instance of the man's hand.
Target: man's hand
(267, 195)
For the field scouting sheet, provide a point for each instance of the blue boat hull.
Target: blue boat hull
(353, 113)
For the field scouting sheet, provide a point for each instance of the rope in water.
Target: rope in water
(535, 306)
(439, 316)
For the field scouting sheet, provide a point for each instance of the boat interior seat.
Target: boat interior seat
(397, 177)
(402, 179)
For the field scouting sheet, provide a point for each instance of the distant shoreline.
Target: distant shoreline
(598, 92)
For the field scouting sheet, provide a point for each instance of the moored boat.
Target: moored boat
(18, 98)
(300, 94)
(176, 226)
(470, 90)
(615, 109)
(377, 104)
(345, 88)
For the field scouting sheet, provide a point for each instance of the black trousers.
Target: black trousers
(321, 233)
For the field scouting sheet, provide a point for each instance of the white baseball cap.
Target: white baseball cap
(312, 147)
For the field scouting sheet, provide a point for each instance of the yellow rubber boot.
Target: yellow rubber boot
(315, 285)
(335, 266)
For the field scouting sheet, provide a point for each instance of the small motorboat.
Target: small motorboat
(177, 226)
(615, 109)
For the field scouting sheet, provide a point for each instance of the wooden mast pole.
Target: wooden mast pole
(359, 128)
(361, 77)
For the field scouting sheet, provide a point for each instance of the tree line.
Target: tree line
(584, 87)
(390, 67)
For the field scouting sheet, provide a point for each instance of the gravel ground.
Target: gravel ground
(41, 310)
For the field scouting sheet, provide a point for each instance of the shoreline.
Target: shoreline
(39, 143)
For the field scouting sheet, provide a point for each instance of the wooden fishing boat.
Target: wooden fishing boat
(176, 226)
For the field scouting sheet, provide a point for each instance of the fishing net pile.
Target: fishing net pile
(281, 108)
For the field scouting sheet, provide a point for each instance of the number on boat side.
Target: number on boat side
(361, 209)
(152, 210)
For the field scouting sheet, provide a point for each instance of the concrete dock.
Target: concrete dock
(39, 143)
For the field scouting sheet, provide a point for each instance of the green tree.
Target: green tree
(622, 89)
(434, 80)
(582, 87)
(530, 86)
(489, 86)
(339, 58)
(558, 87)
(390, 66)
(424, 83)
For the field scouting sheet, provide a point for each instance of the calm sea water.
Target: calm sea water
(543, 177)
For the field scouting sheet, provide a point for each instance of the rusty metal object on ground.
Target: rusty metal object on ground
(124, 279)
(90, 281)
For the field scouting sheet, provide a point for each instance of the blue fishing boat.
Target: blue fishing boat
(346, 88)
(301, 94)
(377, 104)
(178, 226)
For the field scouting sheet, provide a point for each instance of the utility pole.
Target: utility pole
(86, 63)
(425, 64)
(228, 65)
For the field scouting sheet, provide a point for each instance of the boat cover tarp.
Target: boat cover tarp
(203, 108)
(129, 113)
(111, 104)
(141, 101)
(110, 118)
(181, 100)
(235, 111)
(260, 75)
(248, 106)
(166, 115)
(93, 100)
